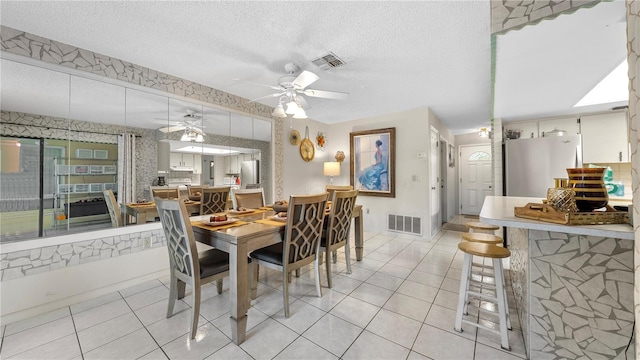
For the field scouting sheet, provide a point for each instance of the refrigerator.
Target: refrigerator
(249, 173)
(532, 164)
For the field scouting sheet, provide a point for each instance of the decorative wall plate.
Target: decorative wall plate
(294, 137)
(307, 150)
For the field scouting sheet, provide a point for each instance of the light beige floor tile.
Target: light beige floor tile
(158, 311)
(302, 347)
(333, 334)
(440, 270)
(36, 336)
(168, 329)
(418, 291)
(450, 284)
(372, 294)
(108, 331)
(345, 284)
(444, 319)
(147, 297)
(484, 352)
(100, 314)
(369, 264)
(89, 304)
(416, 356)
(130, 346)
(408, 306)
(385, 281)
(395, 327)
(63, 348)
(18, 326)
(447, 299)
(404, 262)
(379, 256)
(268, 339)
(255, 317)
(207, 341)
(231, 351)
(215, 306)
(396, 270)
(371, 346)
(156, 354)
(439, 344)
(301, 316)
(141, 287)
(516, 341)
(425, 278)
(355, 311)
(269, 303)
(329, 299)
(454, 273)
(358, 273)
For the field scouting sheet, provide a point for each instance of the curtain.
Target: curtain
(126, 168)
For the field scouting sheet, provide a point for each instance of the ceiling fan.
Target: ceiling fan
(191, 123)
(291, 89)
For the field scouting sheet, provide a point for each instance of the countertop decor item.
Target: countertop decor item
(588, 184)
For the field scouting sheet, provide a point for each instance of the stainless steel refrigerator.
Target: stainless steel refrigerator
(249, 173)
(532, 164)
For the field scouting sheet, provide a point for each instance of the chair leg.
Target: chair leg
(196, 311)
(334, 256)
(328, 266)
(254, 279)
(297, 272)
(347, 256)
(316, 265)
(285, 291)
(219, 286)
(182, 286)
(173, 295)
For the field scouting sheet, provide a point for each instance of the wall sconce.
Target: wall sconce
(331, 168)
(340, 156)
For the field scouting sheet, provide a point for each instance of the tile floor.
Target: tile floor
(398, 303)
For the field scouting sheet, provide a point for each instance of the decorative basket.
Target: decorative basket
(563, 199)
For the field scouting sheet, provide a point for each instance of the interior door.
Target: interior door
(434, 182)
(475, 177)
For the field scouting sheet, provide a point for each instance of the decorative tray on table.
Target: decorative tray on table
(546, 212)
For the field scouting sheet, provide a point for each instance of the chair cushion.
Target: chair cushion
(271, 254)
(213, 262)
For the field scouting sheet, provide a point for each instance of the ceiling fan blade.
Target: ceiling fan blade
(169, 129)
(268, 96)
(305, 79)
(259, 84)
(303, 102)
(336, 95)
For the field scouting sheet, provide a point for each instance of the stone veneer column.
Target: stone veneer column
(633, 58)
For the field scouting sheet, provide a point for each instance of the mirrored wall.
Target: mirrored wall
(68, 136)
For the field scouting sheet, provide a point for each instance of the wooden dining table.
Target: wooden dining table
(139, 213)
(239, 241)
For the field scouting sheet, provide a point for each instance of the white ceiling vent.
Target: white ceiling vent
(329, 61)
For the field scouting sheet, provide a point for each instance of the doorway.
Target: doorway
(475, 177)
(434, 182)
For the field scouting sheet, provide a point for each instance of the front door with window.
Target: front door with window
(475, 177)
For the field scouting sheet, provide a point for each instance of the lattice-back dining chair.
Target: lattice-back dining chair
(186, 265)
(214, 200)
(164, 192)
(338, 226)
(332, 188)
(247, 198)
(300, 245)
(194, 190)
(113, 208)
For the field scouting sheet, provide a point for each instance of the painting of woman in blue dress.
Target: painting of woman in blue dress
(374, 177)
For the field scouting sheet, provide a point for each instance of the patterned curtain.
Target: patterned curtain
(126, 168)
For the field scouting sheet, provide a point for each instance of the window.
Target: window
(479, 156)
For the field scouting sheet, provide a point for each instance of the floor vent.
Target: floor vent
(328, 61)
(405, 224)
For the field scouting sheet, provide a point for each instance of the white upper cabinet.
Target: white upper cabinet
(604, 138)
(568, 124)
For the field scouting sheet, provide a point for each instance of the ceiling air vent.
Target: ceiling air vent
(328, 61)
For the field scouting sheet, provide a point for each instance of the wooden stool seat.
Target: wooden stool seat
(482, 238)
(478, 226)
(484, 250)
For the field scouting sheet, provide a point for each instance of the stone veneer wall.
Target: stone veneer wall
(51, 51)
(514, 14)
(580, 290)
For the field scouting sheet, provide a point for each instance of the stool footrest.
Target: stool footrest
(480, 326)
(482, 296)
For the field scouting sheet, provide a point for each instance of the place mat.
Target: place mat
(270, 222)
(220, 227)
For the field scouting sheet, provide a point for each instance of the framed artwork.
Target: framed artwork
(452, 156)
(373, 162)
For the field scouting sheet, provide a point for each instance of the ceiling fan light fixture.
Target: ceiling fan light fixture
(199, 138)
(292, 107)
(279, 111)
(300, 114)
(185, 137)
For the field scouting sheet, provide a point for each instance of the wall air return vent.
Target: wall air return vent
(327, 62)
(405, 224)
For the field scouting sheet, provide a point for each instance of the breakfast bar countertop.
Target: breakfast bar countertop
(498, 210)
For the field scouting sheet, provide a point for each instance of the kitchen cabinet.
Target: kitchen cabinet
(604, 138)
(527, 129)
(232, 164)
(180, 160)
(568, 124)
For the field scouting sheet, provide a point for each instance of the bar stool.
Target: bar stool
(477, 226)
(471, 249)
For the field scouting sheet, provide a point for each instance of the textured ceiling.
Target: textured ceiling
(399, 55)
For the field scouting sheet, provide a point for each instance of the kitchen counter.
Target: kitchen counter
(498, 210)
(572, 285)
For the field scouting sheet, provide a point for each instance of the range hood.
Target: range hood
(182, 168)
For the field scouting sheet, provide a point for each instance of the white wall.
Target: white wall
(412, 136)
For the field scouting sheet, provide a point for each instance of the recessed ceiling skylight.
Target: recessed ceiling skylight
(613, 88)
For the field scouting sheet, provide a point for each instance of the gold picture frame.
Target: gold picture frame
(373, 162)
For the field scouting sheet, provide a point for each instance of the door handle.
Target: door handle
(433, 188)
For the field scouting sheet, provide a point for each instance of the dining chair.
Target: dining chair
(214, 200)
(163, 192)
(247, 198)
(186, 265)
(113, 208)
(336, 234)
(332, 188)
(300, 245)
(194, 190)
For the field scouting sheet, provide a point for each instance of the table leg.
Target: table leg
(357, 222)
(239, 290)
